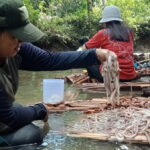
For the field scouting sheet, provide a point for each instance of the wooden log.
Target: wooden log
(143, 61)
(144, 71)
(123, 86)
(82, 80)
(101, 100)
(141, 139)
(80, 77)
(77, 77)
(99, 104)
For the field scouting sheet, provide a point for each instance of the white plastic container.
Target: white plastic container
(53, 91)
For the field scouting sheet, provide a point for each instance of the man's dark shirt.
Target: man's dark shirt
(33, 58)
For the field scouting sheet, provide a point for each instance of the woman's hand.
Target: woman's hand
(103, 54)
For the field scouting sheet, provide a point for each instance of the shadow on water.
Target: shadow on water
(30, 91)
(22, 147)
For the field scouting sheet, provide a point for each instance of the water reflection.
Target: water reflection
(23, 147)
(87, 144)
(30, 92)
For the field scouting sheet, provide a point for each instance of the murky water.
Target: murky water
(30, 91)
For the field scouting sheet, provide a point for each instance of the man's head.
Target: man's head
(15, 19)
(15, 26)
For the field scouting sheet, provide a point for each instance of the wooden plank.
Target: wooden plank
(143, 61)
(78, 78)
(82, 80)
(106, 137)
(83, 77)
(99, 104)
(123, 86)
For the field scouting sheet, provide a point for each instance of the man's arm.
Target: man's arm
(16, 117)
(36, 59)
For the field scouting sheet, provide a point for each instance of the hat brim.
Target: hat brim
(110, 19)
(27, 33)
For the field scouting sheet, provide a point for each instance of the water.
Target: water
(30, 91)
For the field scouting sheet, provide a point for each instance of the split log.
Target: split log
(141, 139)
(75, 78)
(99, 104)
(82, 80)
(79, 77)
(143, 61)
(123, 86)
(144, 71)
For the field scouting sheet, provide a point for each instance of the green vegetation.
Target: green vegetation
(68, 20)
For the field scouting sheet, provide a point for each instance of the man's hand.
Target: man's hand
(50, 106)
(103, 54)
(46, 117)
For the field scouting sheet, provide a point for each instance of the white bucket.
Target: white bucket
(53, 91)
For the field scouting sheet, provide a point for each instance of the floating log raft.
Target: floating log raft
(100, 118)
(97, 87)
(144, 71)
(80, 78)
(98, 104)
(141, 56)
(122, 125)
(139, 139)
(127, 123)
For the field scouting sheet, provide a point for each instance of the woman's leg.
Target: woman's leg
(26, 135)
(94, 72)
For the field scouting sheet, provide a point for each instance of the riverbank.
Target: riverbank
(56, 43)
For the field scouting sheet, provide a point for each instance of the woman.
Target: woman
(16, 126)
(117, 38)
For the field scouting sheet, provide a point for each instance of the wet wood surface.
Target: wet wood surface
(98, 104)
(130, 86)
(79, 78)
(106, 137)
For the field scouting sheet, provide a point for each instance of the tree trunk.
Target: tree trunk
(103, 3)
(89, 11)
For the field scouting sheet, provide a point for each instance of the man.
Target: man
(16, 126)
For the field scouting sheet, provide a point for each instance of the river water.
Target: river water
(30, 91)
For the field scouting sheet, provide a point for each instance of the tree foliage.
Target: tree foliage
(71, 19)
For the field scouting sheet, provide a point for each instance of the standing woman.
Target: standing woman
(117, 38)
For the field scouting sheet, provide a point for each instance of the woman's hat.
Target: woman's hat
(14, 18)
(111, 13)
